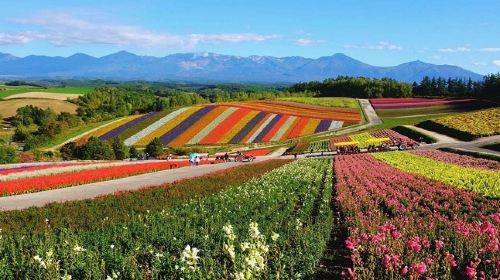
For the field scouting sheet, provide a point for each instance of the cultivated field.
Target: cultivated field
(233, 123)
(8, 107)
(43, 95)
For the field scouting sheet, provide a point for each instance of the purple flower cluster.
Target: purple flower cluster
(119, 130)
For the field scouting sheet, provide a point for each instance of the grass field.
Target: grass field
(8, 107)
(6, 91)
(341, 102)
(43, 95)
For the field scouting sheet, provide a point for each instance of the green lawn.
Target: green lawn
(443, 109)
(10, 90)
(339, 102)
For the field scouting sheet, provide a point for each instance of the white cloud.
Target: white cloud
(496, 62)
(490, 49)
(480, 63)
(382, 45)
(304, 42)
(455, 50)
(436, 57)
(63, 29)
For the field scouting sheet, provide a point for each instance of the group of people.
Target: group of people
(194, 159)
(224, 157)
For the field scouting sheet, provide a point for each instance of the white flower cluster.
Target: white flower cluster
(189, 258)
(114, 276)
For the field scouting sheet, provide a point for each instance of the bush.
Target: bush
(133, 152)
(154, 148)
(8, 154)
(97, 149)
(69, 151)
(119, 149)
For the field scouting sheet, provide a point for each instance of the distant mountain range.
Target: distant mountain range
(215, 67)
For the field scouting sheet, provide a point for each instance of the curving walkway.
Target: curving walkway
(371, 115)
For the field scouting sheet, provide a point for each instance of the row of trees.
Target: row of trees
(488, 88)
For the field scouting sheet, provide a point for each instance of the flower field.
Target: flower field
(46, 177)
(363, 140)
(405, 226)
(237, 122)
(274, 226)
(401, 103)
(476, 124)
(485, 182)
(461, 160)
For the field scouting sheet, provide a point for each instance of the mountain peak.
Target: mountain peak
(213, 67)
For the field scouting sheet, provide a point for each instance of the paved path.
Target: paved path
(440, 138)
(371, 115)
(93, 190)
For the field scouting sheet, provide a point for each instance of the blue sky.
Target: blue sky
(378, 32)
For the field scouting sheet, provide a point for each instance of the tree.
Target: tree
(97, 149)
(119, 149)
(69, 151)
(154, 148)
(133, 152)
(8, 154)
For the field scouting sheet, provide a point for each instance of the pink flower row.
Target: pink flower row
(405, 226)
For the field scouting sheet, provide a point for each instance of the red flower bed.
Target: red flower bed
(461, 160)
(259, 152)
(215, 135)
(297, 129)
(399, 103)
(37, 167)
(403, 226)
(86, 176)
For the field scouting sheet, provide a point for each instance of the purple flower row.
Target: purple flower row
(185, 125)
(324, 125)
(248, 127)
(119, 130)
(266, 129)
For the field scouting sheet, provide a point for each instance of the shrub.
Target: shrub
(8, 154)
(154, 148)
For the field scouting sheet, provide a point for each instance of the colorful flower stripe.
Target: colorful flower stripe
(324, 125)
(272, 131)
(318, 112)
(297, 111)
(461, 160)
(84, 177)
(398, 103)
(258, 152)
(272, 121)
(196, 127)
(169, 125)
(280, 134)
(297, 129)
(168, 137)
(393, 136)
(138, 128)
(4, 172)
(60, 170)
(484, 182)
(310, 127)
(117, 131)
(111, 126)
(216, 135)
(232, 132)
(252, 130)
(478, 123)
(153, 127)
(212, 126)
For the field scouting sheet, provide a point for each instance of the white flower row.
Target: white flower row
(154, 126)
(211, 126)
(261, 128)
(284, 128)
(59, 170)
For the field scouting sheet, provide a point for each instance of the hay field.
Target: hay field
(43, 95)
(8, 107)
